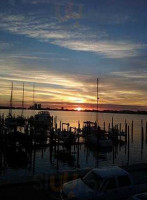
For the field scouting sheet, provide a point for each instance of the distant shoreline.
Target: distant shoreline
(94, 111)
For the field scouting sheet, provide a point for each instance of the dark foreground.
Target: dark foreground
(23, 192)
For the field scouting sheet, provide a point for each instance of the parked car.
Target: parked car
(142, 196)
(107, 183)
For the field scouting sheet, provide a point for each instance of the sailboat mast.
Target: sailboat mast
(97, 99)
(97, 94)
(33, 94)
(22, 101)
(11, 101)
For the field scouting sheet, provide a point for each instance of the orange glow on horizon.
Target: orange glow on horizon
(78, 109)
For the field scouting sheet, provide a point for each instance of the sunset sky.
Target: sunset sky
(62, 46)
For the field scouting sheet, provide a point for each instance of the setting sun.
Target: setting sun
(79, 109)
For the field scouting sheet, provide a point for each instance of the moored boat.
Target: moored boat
(99, 141)
(43, 119)
(10, 121)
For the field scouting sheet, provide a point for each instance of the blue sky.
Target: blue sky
(63, 46)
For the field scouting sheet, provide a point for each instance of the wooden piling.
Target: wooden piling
(120, 127)
(34, 161)
(128, 143)
(120, 131)
(142, 134)
(56, 127)
(113, 153)
(61, 128)
(109, 127)
(132, 131)
(126, 131)
(146, 132)
(126, 135)
(78, 153)
(58, 152)
(112, 123)
(142, 138)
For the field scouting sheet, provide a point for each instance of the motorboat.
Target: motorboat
(99, 141)
(43, 119)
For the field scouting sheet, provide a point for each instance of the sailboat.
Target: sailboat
(95, 135)
(10, 120)
(42, 119)
(21, 119)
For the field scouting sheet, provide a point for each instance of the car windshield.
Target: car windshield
(92, 180)
(142, 196)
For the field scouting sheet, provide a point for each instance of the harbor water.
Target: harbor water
(44, 160)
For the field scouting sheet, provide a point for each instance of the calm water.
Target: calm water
(43, 162)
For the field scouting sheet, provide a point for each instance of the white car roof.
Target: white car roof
(142, 196)
(110, 171)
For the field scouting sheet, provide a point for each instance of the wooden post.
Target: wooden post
(56, 127)
(128, 143)
(78, 145)
(78, 131)
(126, 137)
(113, 155)
(142, 134)
(126, 131)
(142, 138)
(117, 132)
(120, 131)
(112, 122)
(51, 145)
(68, 127)
(61, 127)
(58, 152)
(132, 130)
(146, 132)
(120, 127)
(109, 127)
(34, 160)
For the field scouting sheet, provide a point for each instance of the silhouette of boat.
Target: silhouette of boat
(68, 138)
(43, 120)
(96, 136)
(115, 134)
(10, 121)
(20, 121)
(100, 140)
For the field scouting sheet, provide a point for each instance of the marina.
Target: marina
(81, 153)
(39, 153)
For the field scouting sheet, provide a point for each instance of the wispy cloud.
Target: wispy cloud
(109, 49)
(49, 87)
(131, 75)
(57, 34)
(52, 86)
